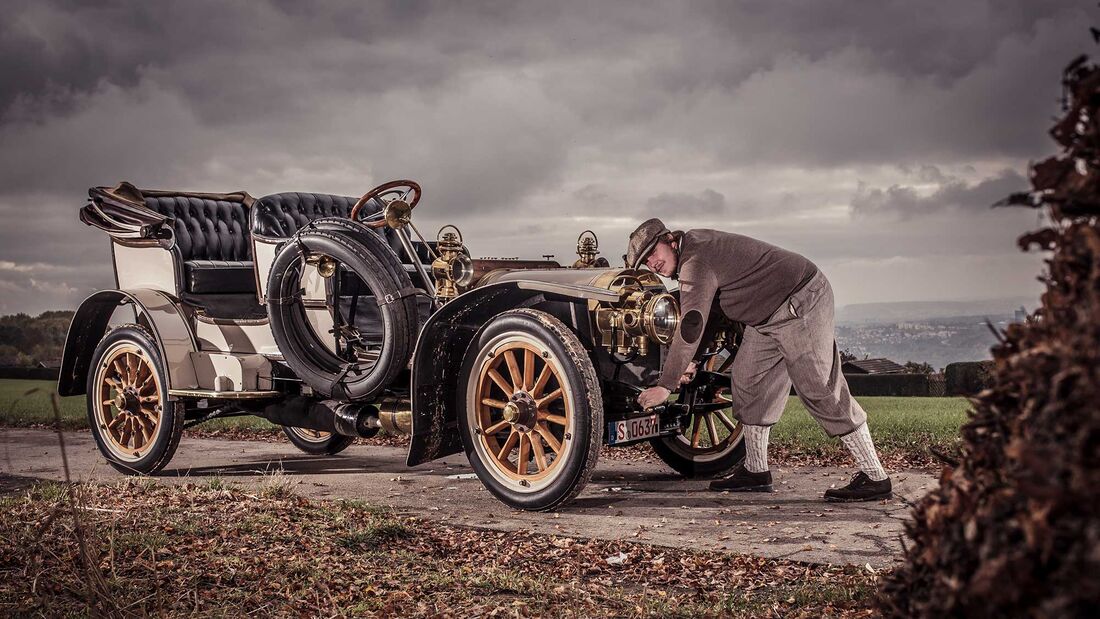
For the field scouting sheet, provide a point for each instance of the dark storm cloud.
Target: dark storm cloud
(56, 50)
(943, 40)
(949, 193)
(706, 203)
(524, 110)
(821, 83)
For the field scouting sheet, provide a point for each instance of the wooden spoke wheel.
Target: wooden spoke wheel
(523, 412)
(711, 443)
(534, 417)
(317, 442)
(135, 425)
(129, 407)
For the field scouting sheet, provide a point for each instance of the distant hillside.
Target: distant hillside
(864, 313)
(30, 341)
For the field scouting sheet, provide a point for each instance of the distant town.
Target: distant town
(937, 342)
(927, 332)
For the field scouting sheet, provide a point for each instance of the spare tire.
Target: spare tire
(364, 253)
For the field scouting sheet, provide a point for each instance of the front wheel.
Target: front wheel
(532, 420)
(317, 442)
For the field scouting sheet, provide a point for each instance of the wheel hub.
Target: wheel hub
(127, 400)
(521, 411)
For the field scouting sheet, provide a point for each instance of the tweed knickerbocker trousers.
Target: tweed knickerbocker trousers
(797, 344)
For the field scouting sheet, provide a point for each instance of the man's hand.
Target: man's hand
(654, 396)
(689, 373)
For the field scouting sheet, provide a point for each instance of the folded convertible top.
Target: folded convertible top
(121, 212)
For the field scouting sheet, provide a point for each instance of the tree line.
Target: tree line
(30, 341)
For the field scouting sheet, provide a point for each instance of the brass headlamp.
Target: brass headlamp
(453, 269)
(326, 266)
(588, 248)
(644, 315)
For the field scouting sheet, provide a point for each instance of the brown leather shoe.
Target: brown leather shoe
(861, 488)
(744, 480)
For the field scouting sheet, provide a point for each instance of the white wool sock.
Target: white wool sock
(863, 450)
(756, 448)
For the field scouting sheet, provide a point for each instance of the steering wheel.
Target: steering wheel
(399, 188)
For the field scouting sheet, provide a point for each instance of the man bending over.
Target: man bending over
(786, 304)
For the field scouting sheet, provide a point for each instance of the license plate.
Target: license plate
(629, 430)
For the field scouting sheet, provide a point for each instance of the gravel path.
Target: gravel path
(637, 501)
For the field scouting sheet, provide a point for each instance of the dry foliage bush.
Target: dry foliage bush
(1014, 529)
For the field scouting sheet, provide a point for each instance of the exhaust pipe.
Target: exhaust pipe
(321, 415)
(394, 415)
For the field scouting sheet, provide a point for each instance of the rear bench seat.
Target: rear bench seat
(211, 238)
(212, 235)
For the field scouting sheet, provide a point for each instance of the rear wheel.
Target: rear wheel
(317, 442)
(711, 444)
(532, 423)
(136, 427)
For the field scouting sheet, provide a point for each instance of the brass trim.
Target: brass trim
(396, 423)
(241, 322)
(394, 414)
(224, 395)
(137, 241)
(570, 290)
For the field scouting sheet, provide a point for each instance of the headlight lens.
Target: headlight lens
(462, 270)
(662, 316)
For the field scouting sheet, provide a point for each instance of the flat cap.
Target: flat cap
(643, 240)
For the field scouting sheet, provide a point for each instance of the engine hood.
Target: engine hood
(608, 279)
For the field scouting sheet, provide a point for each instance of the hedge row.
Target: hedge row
(905, 385)
(968, 378)
(28, 373)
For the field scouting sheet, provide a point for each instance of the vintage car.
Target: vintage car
(323, 314)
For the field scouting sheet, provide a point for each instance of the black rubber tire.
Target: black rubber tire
(340, 224)
(169, 430)
(372, 260)
(587, 434)
(332, 445)
(698, 468)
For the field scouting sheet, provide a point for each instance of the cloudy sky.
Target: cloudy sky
(871, 136)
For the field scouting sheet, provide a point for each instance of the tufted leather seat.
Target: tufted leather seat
(280, 215)
(212, 240)
(219, 276)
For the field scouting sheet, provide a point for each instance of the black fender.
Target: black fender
(437, 360)
(154, 309)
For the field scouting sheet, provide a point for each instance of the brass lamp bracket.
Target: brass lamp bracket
(588, 248)
(453, 269)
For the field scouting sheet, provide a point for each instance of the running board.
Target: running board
(225, 395)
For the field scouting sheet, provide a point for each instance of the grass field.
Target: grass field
(27, 403)
(896, 423)
(902, 427)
